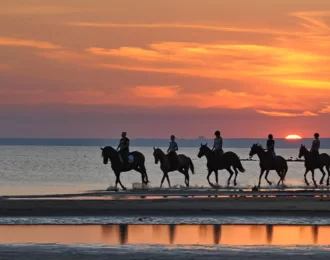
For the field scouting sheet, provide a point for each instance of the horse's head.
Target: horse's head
(302, 151)
(203, 150)
(255, 149)
(107, 153)
(158, 154)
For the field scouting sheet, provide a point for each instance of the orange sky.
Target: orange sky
(259, 66)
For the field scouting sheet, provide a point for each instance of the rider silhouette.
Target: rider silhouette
(315, 148)
(123, 147)
(173, 147)
(217, 146)
(271, 146)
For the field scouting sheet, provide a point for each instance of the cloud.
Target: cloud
(4, 67)
(287, 114)
(184, 26)
(157, 92)
(325, 110)
(18, 42)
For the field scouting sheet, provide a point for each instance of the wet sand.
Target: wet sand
(51, 252)
(281, 206)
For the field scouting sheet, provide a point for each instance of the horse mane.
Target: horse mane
(259, 145)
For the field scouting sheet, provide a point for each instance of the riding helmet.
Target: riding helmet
(270, 136)
(124, 133)
(217, 132)
(316, 135)
(172, 137)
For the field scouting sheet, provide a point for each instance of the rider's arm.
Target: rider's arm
(118, 145)
(169, 148)
(127, 143)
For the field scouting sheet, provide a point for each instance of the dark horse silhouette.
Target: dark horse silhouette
(311, 165)
(229, 159)
(267, 164)
(109, 153)
(185, 163)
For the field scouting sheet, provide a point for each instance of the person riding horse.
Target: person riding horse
(171, 152)
(315, 148)
(123, 147)
(271, 147)
(217, 146)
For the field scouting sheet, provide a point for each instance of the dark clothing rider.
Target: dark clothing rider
(271, 146)
(315, 148)
(173, 147)
(217, 146)
(123, 147)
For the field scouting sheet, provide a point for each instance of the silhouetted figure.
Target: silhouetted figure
(229, 159)
(314, 160)
(271, 147)
(171, 151)
(315, 149)
(267, 164)
(183, 165)
(217, 146)
(109, 153)
(123, 147)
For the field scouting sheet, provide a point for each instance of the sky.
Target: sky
(95, 68)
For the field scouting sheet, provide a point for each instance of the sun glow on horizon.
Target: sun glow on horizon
(293, 137)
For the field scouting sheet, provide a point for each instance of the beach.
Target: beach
(166, 207)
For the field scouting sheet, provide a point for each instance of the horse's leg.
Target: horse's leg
(323, 175)
(231, 175)
(279, 173)
(118, 180)
(306, 181)
(187, 177)
(260, 176)
(216, 173)
(162, 181)
(266, 177)
(236, 172)
(168, 179)
(208, 178)
(328, 170)
(315, 184)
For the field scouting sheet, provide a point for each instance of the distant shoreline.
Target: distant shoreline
(157, 142)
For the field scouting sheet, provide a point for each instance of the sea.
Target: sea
(60, 169)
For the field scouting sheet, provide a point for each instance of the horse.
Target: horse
(311, 165)
(229, 159)
(267, 164)
(185, 163)
(109, 153)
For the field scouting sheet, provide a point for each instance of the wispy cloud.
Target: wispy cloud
(287, 114)
(185, 26)
(163, 92)
(18, 42)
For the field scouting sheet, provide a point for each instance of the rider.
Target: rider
(123, 147)
(217, 146)
(315, 148)
(271, 146)
(173, 147)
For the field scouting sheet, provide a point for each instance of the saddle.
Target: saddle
(130, 158)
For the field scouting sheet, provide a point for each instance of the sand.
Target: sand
(23, 252)
(167, 207)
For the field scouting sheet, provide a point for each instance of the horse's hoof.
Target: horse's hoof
(124, 188)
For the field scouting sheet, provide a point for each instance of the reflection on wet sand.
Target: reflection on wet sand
(167, 234)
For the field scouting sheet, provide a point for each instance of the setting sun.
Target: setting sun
(293, 137)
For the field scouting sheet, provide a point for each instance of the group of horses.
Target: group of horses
(229, 161)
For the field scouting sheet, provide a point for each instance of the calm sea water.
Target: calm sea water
(52, 169)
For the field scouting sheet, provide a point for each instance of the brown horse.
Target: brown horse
(267, 164)
(229, 159)
(109, 153)
(184, 164)
(311, 165)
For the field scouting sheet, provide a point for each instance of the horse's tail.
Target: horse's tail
(191, 166)
(285, 170)
(240, 166)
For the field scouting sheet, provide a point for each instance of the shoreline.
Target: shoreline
(241, 206)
